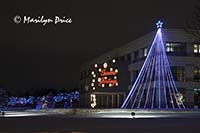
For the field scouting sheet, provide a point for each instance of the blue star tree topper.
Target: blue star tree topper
(159, 24)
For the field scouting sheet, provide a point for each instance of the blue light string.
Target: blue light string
(124, 105)
(163, 75)
(144, 86)
(152, 69)
(174, 83)
(154, 82)
(140, 86)
(169, 88)
(158, 57)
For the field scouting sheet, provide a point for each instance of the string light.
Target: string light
(162, 92)
(99, 79)
(92, 84)
(105, 65)
(116, 70)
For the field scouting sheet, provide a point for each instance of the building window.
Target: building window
(136, 54)
(178, 73)
(177, 49)
(197, 74)
(84, 74)
(129, 58)
(197, 97)
(122, 58)
(145, 51)
(169, 47)
(196, 49)
(81, 77)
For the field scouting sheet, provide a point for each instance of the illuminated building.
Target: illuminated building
(183, 52)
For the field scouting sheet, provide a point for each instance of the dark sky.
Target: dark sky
(36, 56)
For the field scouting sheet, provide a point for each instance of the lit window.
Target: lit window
(178, 73)
(169, 47)
(145, 52)
(197, 48)
(197, 96)
(176, 48)
(197, 74)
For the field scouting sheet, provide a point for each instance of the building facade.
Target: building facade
(106, 80)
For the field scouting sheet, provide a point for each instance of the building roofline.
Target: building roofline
(127, 47)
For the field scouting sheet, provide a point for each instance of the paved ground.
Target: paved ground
(59, 123)
(54, 124)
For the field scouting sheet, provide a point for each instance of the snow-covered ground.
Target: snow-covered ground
(106, 113)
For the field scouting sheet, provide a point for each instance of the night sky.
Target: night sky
(33, 56)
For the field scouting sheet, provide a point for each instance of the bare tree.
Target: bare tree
(193, 22)
(3, 97)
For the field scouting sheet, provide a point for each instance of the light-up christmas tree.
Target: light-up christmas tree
(154, 87)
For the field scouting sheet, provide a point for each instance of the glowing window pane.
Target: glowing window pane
(196, 48)
(168, 49)
(167, 44)
(199, 48)
(145, 52)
